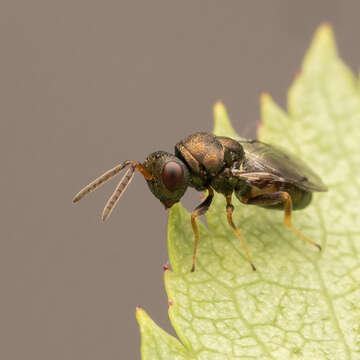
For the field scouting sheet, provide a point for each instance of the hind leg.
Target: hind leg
(279, 198)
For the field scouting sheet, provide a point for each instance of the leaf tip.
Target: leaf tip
(324, 35)
(325, 30)
(219, 111)
(323, 47)
(266, 103)
(265, 98)
(142, 317)
(140, 314)
(219, 104)
(222, 123)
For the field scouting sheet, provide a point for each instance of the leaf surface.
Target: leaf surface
(299, 304)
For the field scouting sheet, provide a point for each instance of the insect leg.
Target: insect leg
(198, 211)
(229, 212)
(281, 197)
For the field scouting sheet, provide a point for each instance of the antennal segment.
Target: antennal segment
(120, 189)
(100, 180)
(124, 182)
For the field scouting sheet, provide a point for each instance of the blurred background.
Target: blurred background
(86, 84)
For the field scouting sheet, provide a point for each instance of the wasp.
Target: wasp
(257, 173)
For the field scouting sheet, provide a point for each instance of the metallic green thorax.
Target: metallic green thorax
(209, 158)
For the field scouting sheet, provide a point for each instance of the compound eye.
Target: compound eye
(172, 175)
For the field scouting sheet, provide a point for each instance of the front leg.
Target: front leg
(198, 211)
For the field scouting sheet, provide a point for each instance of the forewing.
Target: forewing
(268, 158)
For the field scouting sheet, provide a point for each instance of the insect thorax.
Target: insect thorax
(208, 157)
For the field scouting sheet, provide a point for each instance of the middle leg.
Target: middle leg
(229, 212)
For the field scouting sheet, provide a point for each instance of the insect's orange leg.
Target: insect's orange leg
(229, 211)
(287, 219)
(198, 211)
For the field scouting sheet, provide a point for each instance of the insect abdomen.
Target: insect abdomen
(300, 198)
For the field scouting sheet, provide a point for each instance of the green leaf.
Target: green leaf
(156, 343)
(300, 303)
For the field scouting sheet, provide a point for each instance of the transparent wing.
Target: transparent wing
(266, 158)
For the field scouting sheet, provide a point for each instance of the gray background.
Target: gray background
(86, 84)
